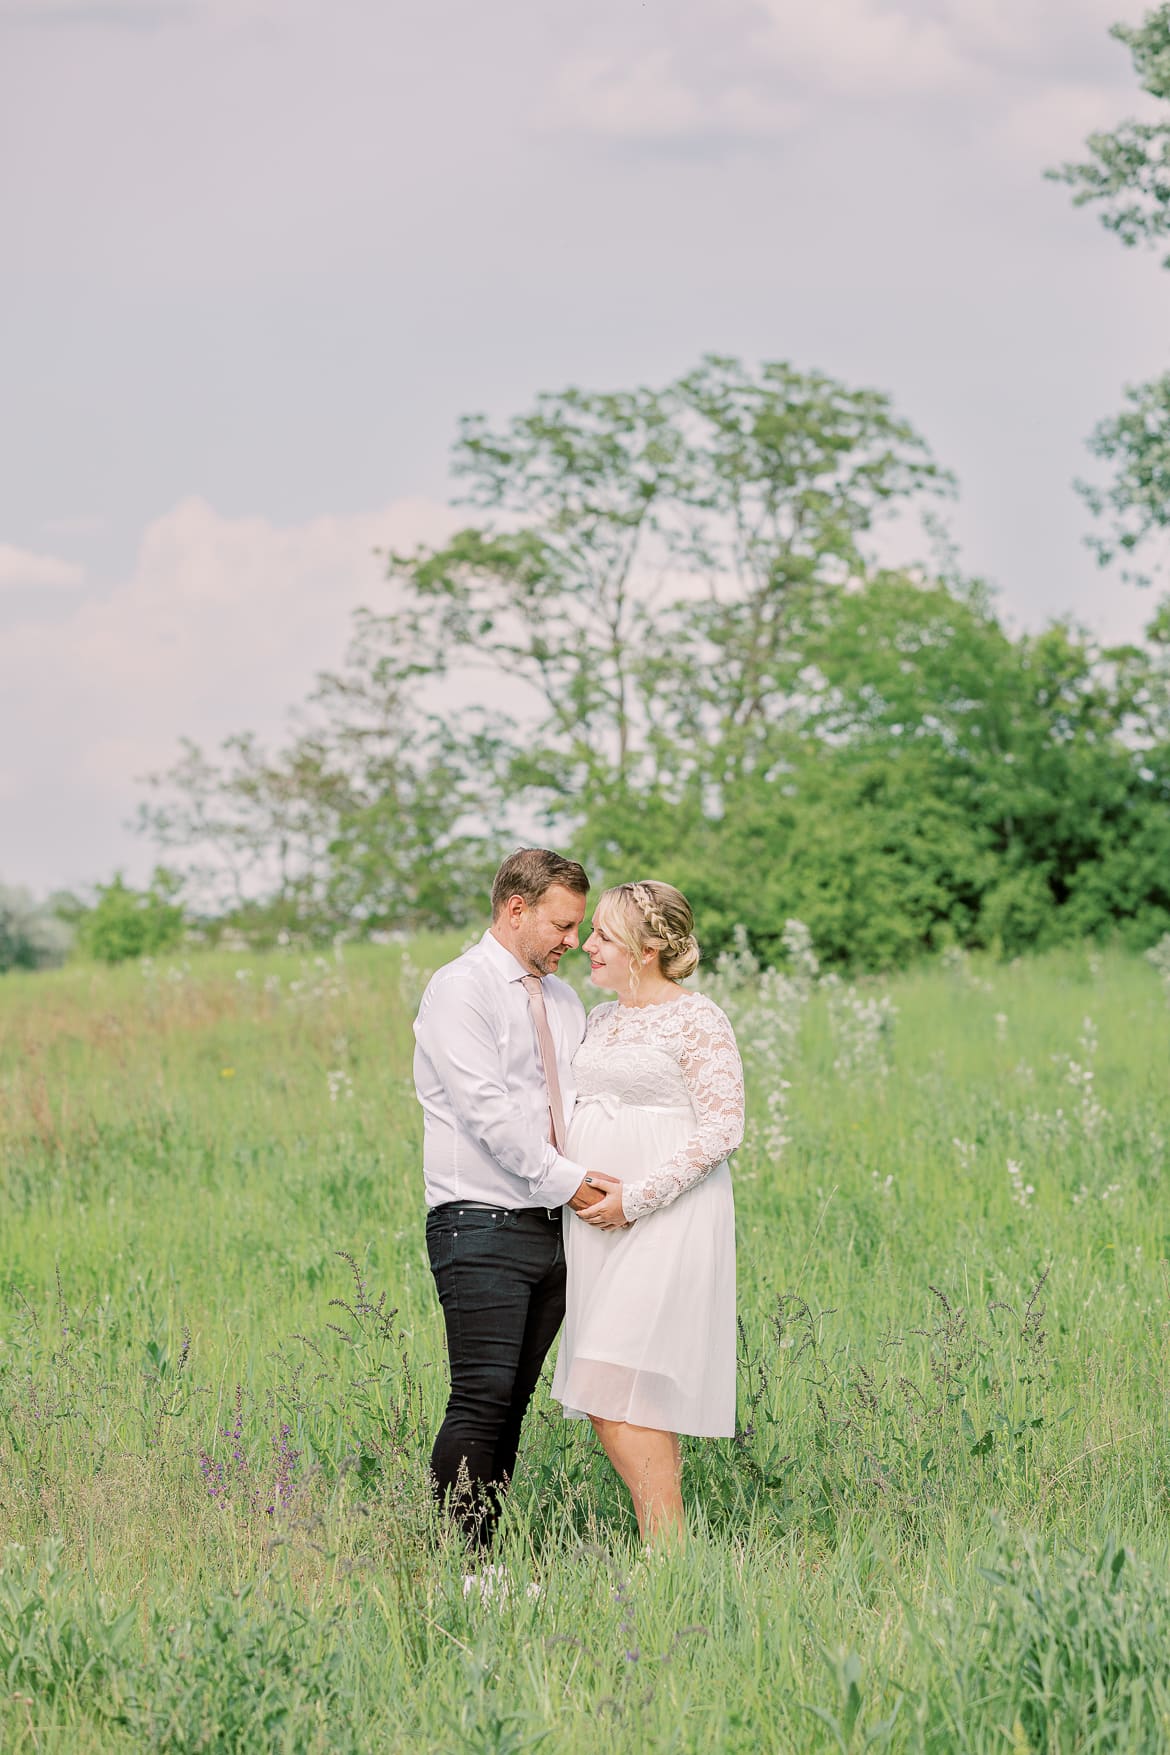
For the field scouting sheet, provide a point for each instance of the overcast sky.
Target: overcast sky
(259, 255)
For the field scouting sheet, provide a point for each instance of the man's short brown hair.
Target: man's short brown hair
(531, 871)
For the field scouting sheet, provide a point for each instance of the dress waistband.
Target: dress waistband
(607, 1100)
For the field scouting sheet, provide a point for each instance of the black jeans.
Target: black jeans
(500, 1275)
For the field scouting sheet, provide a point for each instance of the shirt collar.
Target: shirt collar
(502, 960)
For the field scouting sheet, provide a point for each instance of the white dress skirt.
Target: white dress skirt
(649, 1333)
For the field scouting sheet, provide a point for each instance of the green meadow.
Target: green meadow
(944, 1525)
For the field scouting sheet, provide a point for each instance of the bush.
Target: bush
(32, 935)
(126, 923)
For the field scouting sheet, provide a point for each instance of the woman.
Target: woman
(648, 1350)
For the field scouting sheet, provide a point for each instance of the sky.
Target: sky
(260, 255)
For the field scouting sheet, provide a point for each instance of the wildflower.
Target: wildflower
(340, 1085)
(1080, 1074)
(767, 1007)
(1159, 959)
(863, 1028)
(227, 1072)
(1022, 1191)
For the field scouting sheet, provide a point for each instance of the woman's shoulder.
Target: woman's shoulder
(703, 1013)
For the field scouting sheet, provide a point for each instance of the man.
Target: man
(495, 1037)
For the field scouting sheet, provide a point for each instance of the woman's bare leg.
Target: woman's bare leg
(650, 1464)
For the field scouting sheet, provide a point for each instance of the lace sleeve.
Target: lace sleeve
(710, 1063)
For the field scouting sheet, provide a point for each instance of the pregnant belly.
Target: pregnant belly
(624, 1139)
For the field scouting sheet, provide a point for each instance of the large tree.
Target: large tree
(645, 566)
(1126, 176)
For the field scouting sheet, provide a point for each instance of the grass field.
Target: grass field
(945, 1525)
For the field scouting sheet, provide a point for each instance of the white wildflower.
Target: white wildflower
(1159, 958)
(863, 1029)
(340, 1085)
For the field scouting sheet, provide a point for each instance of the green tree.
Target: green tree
(646, 564)
(1127, 177)
(944, 783)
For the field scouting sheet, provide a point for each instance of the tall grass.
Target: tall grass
(944, 1523)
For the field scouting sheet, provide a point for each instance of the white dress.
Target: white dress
(649, 1333)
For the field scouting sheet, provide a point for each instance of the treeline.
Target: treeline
(666, 643)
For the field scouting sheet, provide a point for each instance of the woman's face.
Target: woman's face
(609, 961)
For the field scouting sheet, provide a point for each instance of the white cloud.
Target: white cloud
(221, 627)
(753, 70)
(656, 99)
(863, 47)
(760, 68)
(97, 14)
(1019, 29)
(23, 569)
(1052, 125)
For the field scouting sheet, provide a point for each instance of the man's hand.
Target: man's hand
(608, 1214)
(594, 1188)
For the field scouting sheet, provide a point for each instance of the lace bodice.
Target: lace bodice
(681, 1054)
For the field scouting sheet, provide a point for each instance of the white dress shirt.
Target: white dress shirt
(482, 1088)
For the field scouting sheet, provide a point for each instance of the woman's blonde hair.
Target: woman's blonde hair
(651, 916)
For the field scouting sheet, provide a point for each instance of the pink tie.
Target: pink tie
(548, 1059)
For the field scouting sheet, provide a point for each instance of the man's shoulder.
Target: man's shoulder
(470, 972)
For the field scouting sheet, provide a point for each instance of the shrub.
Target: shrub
(126, 923)
(32, 935)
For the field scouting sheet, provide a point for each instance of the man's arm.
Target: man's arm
(463, 1046)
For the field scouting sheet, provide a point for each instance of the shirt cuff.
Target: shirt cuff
(560, 1181)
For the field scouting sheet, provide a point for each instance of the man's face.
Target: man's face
(548, 928)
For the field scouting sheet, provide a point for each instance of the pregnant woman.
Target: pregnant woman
(648, 1350)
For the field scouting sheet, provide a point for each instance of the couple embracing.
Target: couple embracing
(577, 1170)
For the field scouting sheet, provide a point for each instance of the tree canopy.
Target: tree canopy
(1126, 176)
(677, 638)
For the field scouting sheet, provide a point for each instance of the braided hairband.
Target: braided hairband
(655, 920)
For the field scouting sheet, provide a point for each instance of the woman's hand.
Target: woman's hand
(607, 1214)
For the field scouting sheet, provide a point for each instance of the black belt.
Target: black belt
(547, 1215)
